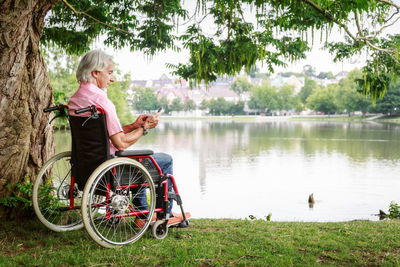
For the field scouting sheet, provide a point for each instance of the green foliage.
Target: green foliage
(204, 104)
(117, 93)
(61, 70)
(309, 87)
(347, 97)
(189, 105)
(237, 33)
(309, 71)
(381, 67)
(220, 106)
(241, 50)
(390, 103)
(325, 75)
(263, 98)
(341, 98)
(394, 211)
(285, 98)
(261, 75)
(241, 85)
(291, 73)
(323, 100)
(164, 104)
(21, 195)
(145, 99)
(60, 118)
(176, 105)
(266, 98)
(142, 25)
(236, 108)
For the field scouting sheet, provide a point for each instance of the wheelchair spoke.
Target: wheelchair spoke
(52, 192)
(116, 222)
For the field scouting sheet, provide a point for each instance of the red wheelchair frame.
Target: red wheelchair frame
(114, 192)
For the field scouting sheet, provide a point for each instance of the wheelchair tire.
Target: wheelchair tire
(112, 192)
(159, 229)
(51, 195)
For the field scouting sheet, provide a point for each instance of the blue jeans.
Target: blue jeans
(165, 163)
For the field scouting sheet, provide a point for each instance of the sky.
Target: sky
(142, 68)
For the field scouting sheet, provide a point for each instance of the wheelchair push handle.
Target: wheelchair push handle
(93, 109)
(61, 108)
(58, 107)
(83, 110)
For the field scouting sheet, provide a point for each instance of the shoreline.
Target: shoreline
(257, 118)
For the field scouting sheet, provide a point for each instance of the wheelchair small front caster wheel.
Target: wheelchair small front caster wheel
(159, 229)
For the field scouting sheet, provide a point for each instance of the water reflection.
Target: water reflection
(233, 169)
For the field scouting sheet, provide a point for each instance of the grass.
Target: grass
(223, 242)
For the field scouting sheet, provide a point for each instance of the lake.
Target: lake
(233, 169)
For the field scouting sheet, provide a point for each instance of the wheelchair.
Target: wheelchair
(116, 198)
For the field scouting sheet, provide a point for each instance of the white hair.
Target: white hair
(91, 61)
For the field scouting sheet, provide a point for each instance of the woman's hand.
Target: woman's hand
(139, 122)
(152, 121)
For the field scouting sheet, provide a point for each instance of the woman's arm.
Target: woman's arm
(123, 140)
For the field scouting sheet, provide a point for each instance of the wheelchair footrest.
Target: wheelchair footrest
(182, 224)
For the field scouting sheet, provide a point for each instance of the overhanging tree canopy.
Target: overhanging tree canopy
(241, 33)
(244, 32)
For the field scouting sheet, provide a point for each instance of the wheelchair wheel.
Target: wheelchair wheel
(118, 202)
(52, 195)
(159, 229)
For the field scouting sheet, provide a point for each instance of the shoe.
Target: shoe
(177, 218)
(140, 222)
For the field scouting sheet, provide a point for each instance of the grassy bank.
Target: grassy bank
(211, 243)
(391, 119)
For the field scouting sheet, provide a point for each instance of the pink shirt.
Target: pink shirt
(89, 94)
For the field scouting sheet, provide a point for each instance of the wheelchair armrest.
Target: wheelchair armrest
(129, 153)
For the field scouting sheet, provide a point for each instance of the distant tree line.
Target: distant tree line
(343, 97)
(145, 100)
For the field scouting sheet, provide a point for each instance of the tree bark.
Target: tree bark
(26, 138)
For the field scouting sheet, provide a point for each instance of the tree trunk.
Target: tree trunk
(26, 138)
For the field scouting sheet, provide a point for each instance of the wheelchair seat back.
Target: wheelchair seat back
(90, 146)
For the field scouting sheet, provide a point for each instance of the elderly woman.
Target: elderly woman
(94, 74)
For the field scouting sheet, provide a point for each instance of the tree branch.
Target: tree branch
(362, 37)
(80, 13)
(385, 26)
(367, 40)
(330, 17)
(93, 6)
(390, 3)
